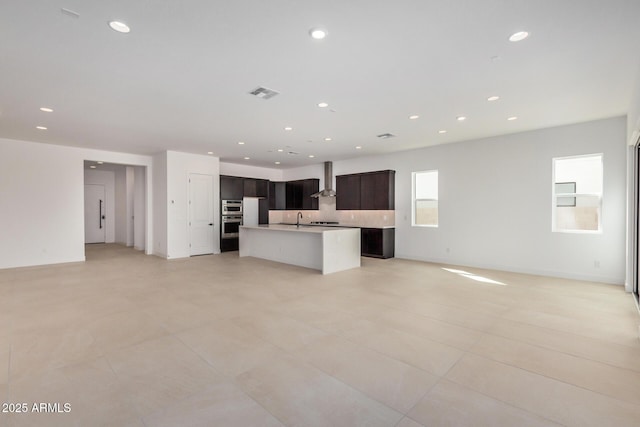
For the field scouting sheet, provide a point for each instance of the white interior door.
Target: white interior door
(94, 209)
(201, 224)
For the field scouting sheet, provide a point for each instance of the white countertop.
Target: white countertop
(337, 225)
(328, 249)
(304, 228)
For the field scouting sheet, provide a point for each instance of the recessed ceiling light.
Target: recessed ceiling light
(247, 158)
(41, 127)
(520, 35)
(46, 109)
(318, 33)
(323, 105)
(93, 166)
(461, 118)
(280, 150)
(311, 156)
(442, 131)
(512, 118)
(288, 128)
(277, 163)
(493, 98)
(327, 139)
(240, 142)
(414, 117)
(358, 147)
(100, 163)
(119, 26)
(209, 152)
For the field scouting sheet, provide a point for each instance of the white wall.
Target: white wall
(495, 202)
(33, 175)
(633, 115)
(41, 204)
(129, 174)
(245, 171)
(160, 203)
(120, 205)
(311, 171)
(179, 166)
(139, 211)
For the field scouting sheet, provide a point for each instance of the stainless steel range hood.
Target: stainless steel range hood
(328, 181)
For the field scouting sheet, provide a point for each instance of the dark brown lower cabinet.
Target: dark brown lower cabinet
(228, 245)
(378, 242)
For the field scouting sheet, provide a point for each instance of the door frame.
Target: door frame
(190, 213)
(634, 221)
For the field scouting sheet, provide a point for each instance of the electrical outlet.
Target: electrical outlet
(596, 264)
(448, 250)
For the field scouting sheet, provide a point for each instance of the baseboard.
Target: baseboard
(535, 272)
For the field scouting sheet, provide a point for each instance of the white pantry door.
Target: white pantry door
(201, 214)
(94, 208)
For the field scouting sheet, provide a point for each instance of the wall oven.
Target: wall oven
(231, 207)
(231, 226)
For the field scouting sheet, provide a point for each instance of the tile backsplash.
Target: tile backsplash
(327, 212)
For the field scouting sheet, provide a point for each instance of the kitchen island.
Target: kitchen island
(328, 249)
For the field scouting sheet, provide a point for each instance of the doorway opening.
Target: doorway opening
(115, 204)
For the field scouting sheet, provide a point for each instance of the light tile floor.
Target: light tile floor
(134, 340)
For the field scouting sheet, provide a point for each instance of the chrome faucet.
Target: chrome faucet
(298, 217)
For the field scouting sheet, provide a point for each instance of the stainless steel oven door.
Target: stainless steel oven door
(232, 207)
(231, 226)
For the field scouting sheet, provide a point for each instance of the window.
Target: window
(577, 194)
(425, 199)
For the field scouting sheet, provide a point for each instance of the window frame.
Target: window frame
(414, 199)
(555, 196)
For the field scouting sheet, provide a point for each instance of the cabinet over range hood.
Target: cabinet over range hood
(328, 181)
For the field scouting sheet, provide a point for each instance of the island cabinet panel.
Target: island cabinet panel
(231, 187)
(366, 191)
(378, 242)
(348, 192)
(256, 188)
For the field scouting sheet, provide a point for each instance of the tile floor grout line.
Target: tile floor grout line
(636, 405)
(588, 358)
(349, 288)
(319, 368)
(231, 378)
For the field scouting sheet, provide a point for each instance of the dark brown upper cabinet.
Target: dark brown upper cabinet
(231, 187)
(348, 192)
(377, 190)
(277, 196)
(294, 195)
(256, 187)
(366, 191)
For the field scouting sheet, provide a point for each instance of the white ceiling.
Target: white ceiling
(180, 79)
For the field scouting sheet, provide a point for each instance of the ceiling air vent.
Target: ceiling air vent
(263, 92)
(386, 135)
